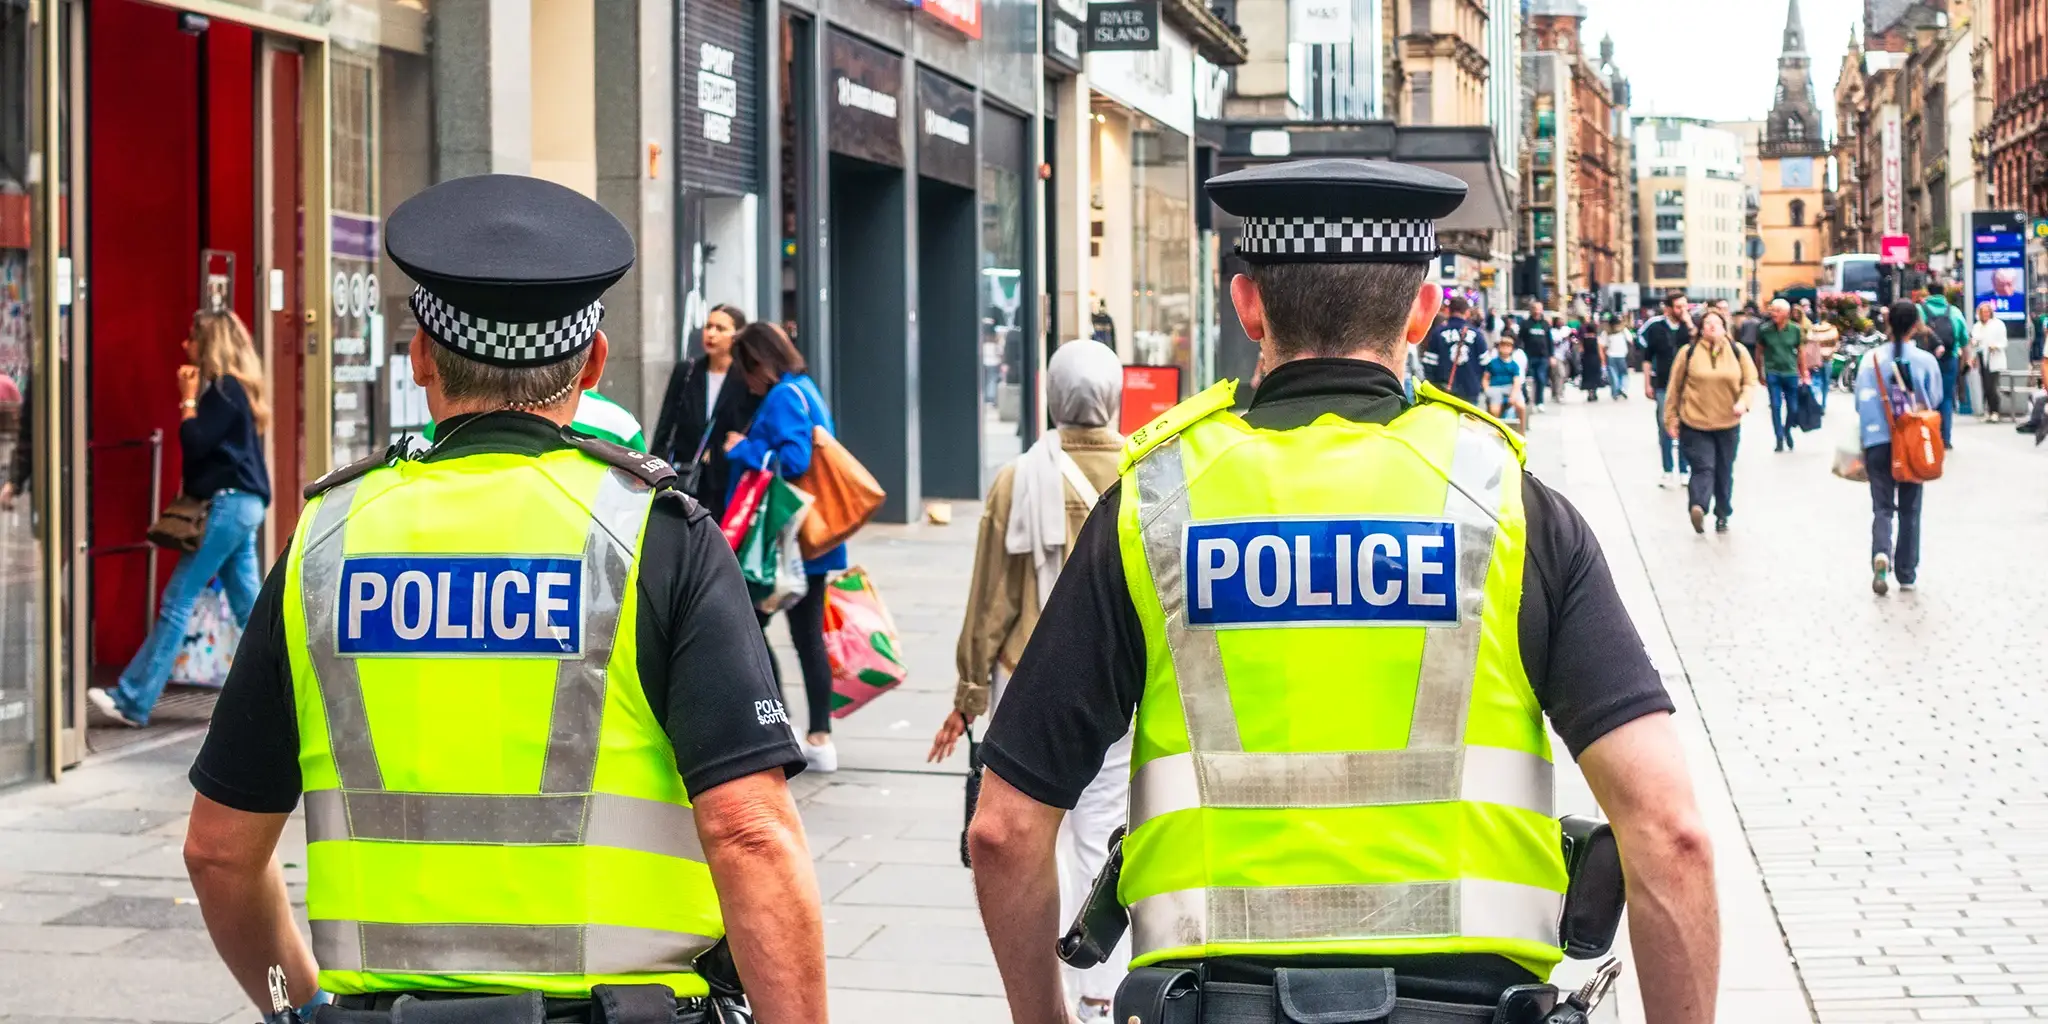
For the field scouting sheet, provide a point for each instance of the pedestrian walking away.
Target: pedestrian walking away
(703, 403)
(1780, 340)
(224, 415)
(1034, 511)
(1616, 340)
(1711, 385)
(1947, 334)
(1459, 352)
(1592, 361)
(1987, 351)
(1171, 590)
(1541, 350)
(1660, 340)
(780, 438)
(556, 725)
(1892, 379)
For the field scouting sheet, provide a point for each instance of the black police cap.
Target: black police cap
(510, 270)
(1337, 210)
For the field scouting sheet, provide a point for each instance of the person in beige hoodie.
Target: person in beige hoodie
(1711, 384)
(1034, 511)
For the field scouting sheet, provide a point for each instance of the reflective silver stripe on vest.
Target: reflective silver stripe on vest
(616, 517)
(502, 949)
(1450, 657)
(1314, 913)
(341, 690)
(1360, 778)
(596, 819)
(1163, 517)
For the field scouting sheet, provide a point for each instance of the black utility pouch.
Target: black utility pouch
(1159, 995)
(1525, 1004)
(1333, 995)
(523, 1008)
(632, 1004)
(1597, 893)
(1102, 919)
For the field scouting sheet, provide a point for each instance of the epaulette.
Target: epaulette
(1427, 392)
(1216, 397)
(651, 470)
(355, 470)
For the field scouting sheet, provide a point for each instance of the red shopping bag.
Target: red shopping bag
(744, 506)
(860, 642)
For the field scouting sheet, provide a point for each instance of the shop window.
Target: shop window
(1162, 268)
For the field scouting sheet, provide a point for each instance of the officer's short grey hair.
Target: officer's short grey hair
(528, 387)
(1332, 309)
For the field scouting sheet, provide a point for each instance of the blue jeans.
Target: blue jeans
(1948, 402)
(1668, 444)
(1784, 405)
(1539, 375)
(1617, 375)
(228, 549)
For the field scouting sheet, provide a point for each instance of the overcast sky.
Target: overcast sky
(1717, 59)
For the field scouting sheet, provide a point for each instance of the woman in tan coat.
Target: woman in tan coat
(1034, 510)
(1711, 382)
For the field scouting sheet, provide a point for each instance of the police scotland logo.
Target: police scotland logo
(1252, 573)
(463, 606)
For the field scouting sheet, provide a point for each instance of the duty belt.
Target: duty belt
(1297, 995)
(609, 1004)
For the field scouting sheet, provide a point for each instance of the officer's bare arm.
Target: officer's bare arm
(1638, 774)
(1011, 845)
(754, 842)
(230, 855)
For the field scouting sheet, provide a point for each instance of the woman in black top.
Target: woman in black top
(221, 439)
(701, 406)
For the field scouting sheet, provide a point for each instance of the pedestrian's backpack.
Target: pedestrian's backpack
(1943, 329)
(1917, 450)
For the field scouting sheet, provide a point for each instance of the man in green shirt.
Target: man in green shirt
(1780, 338)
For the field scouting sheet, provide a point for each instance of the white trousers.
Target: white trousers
(1082, 849)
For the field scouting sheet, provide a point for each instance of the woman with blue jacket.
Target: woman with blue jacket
(1878, 399)
(780, 435)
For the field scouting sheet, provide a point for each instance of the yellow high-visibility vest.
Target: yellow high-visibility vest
(491, 803)
(1337, 750)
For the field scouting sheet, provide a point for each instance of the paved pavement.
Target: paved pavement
(1890, 812)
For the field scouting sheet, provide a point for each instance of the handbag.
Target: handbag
(769, 558)
(208, 648)
(973, 791)
(845, 495)
(1917, 449)
(181, 526)
(1807, 413)
(744, 506)
(861, 642)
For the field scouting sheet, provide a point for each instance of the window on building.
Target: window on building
(1670, 222)
(1419, 97)
(1670, 246)
(1795, 130)
(1671, 197)
(1798, 214)
(1418, 16)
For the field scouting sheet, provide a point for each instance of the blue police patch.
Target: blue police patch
(460, 606)
(1320, 572)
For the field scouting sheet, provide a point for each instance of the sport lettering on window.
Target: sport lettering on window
(1321, 572)
(461, 607)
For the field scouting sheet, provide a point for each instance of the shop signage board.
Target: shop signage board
(1063, 41)
(1123, 25)
(1148, 392)
(1998, 262)
(1890, 166)
(1319, 22)
(1158, 84)
(717, 109)
(963, 16)
(945, 129)
(863, 92)
(1894, 250)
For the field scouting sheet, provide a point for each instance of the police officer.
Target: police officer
(516, 683)
(1342, 619)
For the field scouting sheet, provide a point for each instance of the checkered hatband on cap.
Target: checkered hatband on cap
(509, 344)
(1336, 240)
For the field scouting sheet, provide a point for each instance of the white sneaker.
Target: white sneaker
(820, 757)
(103, 702)
(1668, 481)
(1684, 479)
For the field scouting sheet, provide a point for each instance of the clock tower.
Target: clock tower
(1793, 155)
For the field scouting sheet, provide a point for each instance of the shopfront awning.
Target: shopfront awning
(1466, 152)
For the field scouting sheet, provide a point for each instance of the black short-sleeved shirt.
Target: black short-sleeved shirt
(702, 661)
(1081, 676)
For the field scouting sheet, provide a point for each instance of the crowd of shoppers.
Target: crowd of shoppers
(1711, 381)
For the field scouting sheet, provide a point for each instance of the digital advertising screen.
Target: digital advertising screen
(1998, 264)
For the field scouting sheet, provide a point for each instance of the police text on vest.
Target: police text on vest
(460, 606)
(1320, 572)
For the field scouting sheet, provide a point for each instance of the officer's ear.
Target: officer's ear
(1423, 313)
(593, 367)
(424, 372)
(1250, 305)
